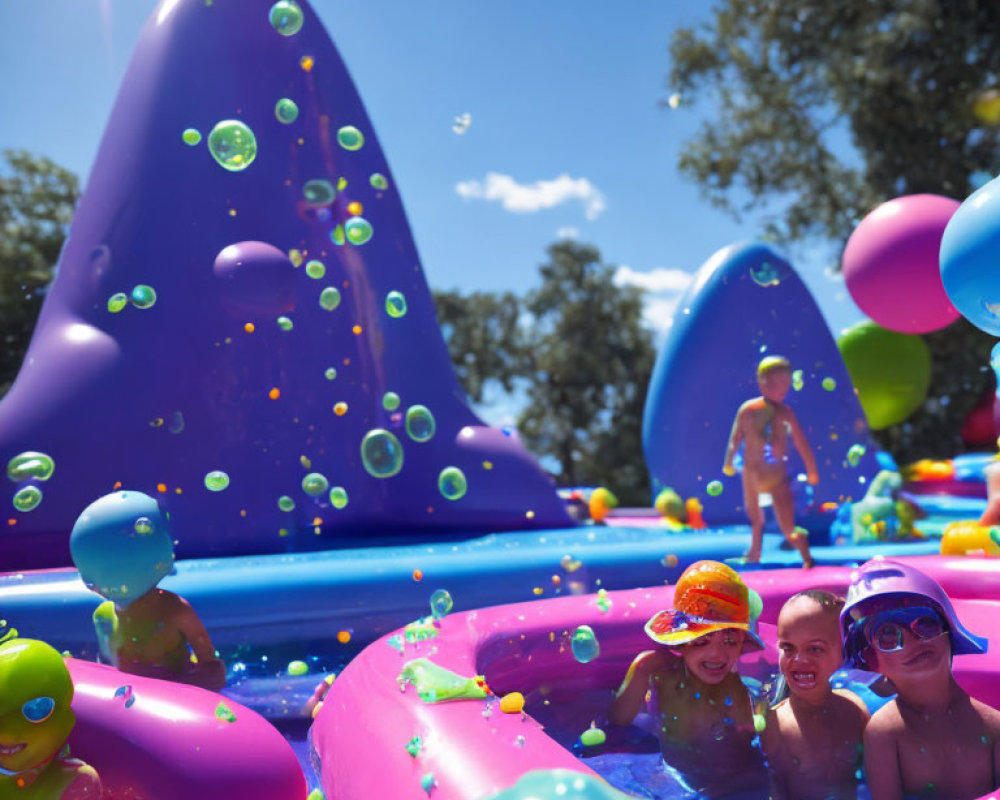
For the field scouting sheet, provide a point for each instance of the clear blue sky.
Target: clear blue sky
(554, 88)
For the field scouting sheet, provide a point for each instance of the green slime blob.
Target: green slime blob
(216, 481)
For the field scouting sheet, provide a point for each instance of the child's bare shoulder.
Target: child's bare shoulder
(886, 723)
(849, 702)
(989, 715)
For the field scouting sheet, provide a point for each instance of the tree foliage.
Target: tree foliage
(37, 200)
(826, 109)
(577, 347)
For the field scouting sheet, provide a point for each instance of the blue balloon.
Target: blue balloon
(121, 545)
(968, 258)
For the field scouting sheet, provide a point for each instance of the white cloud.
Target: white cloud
(567, 232)
(660, 279)
(521, 198)
(663, 288)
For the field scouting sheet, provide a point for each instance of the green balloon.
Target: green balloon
(891, 372)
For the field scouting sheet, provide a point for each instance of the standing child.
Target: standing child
(933, 740)
(813, 738)
(762, 424)
(703, 710)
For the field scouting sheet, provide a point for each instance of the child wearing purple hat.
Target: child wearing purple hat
(933, 740)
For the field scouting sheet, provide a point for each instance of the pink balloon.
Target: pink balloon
(891, 264)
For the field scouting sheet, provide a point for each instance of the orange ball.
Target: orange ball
(512, 703)
(418, 575)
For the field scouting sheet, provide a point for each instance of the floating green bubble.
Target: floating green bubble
(191, 136)
(143, 296)
(390, 401)
(765, 274)
(233, 145)
(441, 603)
(319, 192)
(381, 453)
(143, 526)
(315, 269)
(350, 138)
(224, 713)
(331, 373)
(395, 305)
(593, 737)
(117, 302)
(329, 298)
(337, 235)
(30, 465)
(295, 256)
(286, 111)
(314, 484)
(379, 181)
(285, 503)
(285, 323)
(584, 644)
(296, 668)
(829, 384)
(797, 380)
(358, 230)
(338, 497)
(216, 480)
(28, 498)
(286, 17)
(452, 483)
(420, 424)
(714, 488)
(854, 454)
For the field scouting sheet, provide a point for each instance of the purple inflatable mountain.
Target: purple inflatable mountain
(745, 303)
(240, 325)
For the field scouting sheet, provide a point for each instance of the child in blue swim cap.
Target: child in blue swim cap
(932, 740)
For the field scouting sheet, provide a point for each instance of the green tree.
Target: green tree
(826, 109)
(590, 360)
(37, 200)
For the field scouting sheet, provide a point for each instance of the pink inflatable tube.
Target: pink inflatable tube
(361, 733)
(156, 740)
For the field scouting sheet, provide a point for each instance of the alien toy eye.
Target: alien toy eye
(38, 709)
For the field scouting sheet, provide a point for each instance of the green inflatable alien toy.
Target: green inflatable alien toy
(35, 718)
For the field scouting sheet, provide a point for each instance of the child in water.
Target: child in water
(763, 424)
(704, 712)
(122, 546)
(933, 740)
(813, 738)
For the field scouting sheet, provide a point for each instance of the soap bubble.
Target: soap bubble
(441, 603)
(452, 483)
(285, 323)
(314, 484)
(216, 480)
(296, 668)
(357, 230)
(584, 644)
(143, 526)
(30, 464)
(286, 111)
(854, 454)
(420, 424)
(381, 453)
(379, 181)
(765, 274)
(461, 123)
(797, 380)
(117, 302)
(319, 192)
(330, 373)
(285, 503)
(390, 401)
(829, 384)
(233, 145)
(191, 136)
(143, 296)
(395, 304)
(338, 497)
(337, 235)
(27, 498)
(714, 488)
(315, 269)
(350, 138)
(286, 17)
(329, 298)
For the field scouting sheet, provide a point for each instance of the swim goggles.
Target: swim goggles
(884, 631)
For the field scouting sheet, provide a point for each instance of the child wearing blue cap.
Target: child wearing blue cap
(932, 740)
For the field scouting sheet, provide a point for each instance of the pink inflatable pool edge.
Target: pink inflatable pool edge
(156, 740)
(471, 750)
